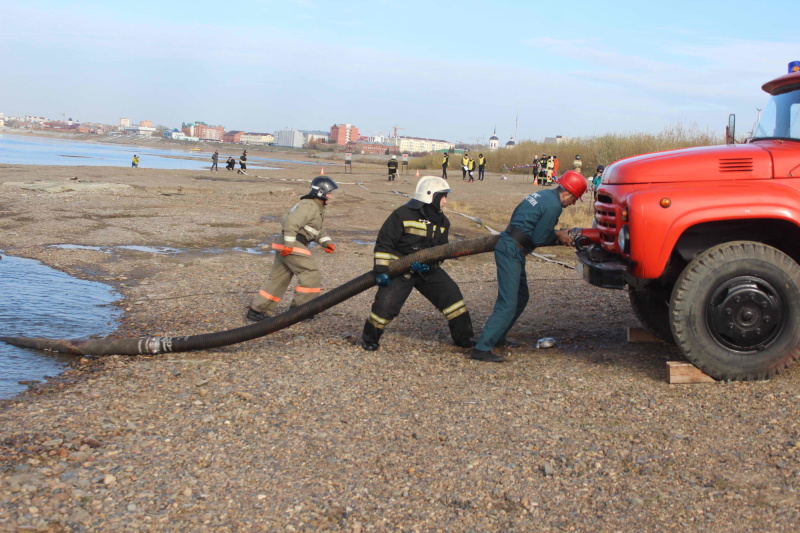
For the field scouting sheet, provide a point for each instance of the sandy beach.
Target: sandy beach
(302, 430)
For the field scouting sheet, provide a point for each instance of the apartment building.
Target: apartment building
(289, 137)
(203, 131)
(417, 145)
(256, 138)
(233, 136)
(343, 134)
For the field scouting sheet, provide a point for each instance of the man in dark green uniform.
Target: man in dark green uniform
(532, 225)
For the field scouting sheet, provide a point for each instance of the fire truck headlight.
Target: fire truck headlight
(624, 239)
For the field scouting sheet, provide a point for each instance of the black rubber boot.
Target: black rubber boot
(370, 337)
(487, 356)
(255, 316)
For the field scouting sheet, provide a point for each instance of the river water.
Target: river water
(26, 150)
(38, 301)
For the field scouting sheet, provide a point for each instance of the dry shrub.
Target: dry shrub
(597, 150)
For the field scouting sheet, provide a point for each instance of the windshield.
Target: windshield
(781, 118)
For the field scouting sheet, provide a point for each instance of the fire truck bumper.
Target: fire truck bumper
(607, 274)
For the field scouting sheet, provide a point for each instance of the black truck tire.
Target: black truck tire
(735, 310)
(651, 306)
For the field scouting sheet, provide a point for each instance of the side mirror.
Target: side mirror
(730, 130)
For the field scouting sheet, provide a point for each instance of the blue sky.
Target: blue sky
(445, 70)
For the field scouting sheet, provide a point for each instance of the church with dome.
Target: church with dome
(494, 141)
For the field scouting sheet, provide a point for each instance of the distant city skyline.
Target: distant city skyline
(451, 72)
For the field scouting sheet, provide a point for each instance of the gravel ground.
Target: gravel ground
(303, 430)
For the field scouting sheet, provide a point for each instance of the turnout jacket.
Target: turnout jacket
(303, 222)
(406, 231)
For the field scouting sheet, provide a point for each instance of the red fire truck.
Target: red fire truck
(707, 242)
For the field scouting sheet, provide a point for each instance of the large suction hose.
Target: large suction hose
(154, 345)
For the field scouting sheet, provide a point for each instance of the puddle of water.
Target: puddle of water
(38, 301)
(154, 249)
(164, 250)
(254, 251)
(77, 247)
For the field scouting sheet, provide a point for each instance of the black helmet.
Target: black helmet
(600, 167)
(321, 186)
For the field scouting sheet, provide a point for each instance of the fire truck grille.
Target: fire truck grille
(736, 164)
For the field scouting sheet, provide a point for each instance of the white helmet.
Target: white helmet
(428, 187)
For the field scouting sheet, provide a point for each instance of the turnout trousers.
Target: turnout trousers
(512, 293)
(301, 264)
(437, 287)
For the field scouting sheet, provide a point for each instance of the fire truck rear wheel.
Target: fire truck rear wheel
(651, 306)
(734, 311)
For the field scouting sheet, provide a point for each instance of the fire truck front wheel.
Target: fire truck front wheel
(651, 306)
(734, 311)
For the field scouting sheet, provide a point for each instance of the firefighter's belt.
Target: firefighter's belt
(522, 240)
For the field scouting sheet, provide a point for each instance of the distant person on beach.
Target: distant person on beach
(230, 163)
(215, 161)
(242, 163)
(577, 164)
(392, 165)
(301, 226)
(135, 161)
(481, 166)
(596, 180)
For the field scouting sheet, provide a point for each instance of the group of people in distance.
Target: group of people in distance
(468, 166)
(230, 164)
(417, 225)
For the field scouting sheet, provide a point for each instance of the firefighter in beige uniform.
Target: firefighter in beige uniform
(301, 225)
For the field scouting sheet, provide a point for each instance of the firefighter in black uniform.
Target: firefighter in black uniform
(415, 226)
(392, 164)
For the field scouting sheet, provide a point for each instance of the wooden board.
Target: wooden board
(641, 335)
(683, 372)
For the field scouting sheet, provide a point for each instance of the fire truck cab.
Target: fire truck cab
(706, 241)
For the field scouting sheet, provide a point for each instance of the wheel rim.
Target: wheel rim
(745, 314)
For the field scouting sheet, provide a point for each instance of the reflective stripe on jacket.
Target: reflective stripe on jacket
(306, 219)
(406, 231)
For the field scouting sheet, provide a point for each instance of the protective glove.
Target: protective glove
(382, 279)
(286, 251)
(330, 247)
(419, 268)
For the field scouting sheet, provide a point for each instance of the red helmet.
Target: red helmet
(574, 183)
